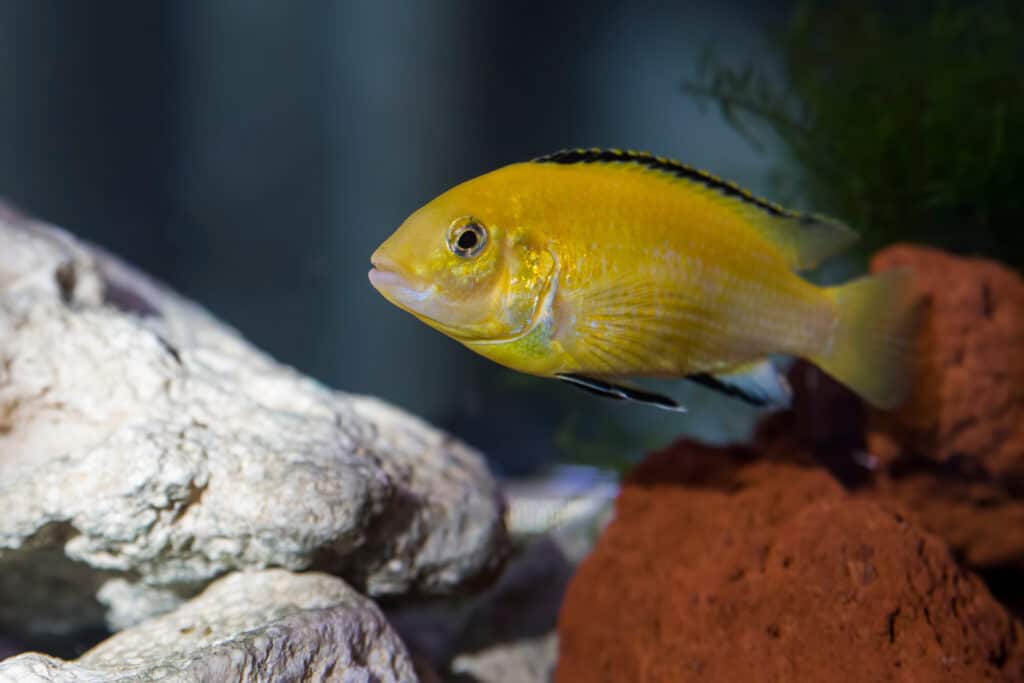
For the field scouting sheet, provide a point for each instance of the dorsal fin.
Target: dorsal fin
(665, 165)
(805, 239)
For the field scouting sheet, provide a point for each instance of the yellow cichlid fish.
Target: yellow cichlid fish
(597, 265)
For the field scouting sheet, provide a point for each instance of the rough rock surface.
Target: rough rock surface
(253, 626)
(954, 455)
(529, 660)
(969, 394)
(720, 567)
(146, 449)
(978, 518)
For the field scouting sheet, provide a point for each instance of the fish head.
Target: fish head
(466, 265)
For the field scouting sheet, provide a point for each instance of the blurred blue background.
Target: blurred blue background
(253, 154)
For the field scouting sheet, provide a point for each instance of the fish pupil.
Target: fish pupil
(468, 239)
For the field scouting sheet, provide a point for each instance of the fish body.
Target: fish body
(607, 264)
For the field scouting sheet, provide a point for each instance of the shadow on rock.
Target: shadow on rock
(506, 633)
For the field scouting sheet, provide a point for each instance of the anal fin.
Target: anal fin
(759, 384)
(620, 392)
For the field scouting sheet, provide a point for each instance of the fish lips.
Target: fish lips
(396, 288)
(391, 284)
(424, 302)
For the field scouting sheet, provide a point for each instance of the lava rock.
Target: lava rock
(968, 398)
(146, 449)
(719, 566)
(253, 626)
(953, 456)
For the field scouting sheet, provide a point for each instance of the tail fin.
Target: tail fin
(871, 349)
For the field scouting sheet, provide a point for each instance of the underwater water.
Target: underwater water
(253, 156)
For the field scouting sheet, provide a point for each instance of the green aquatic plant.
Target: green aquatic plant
(904, 119)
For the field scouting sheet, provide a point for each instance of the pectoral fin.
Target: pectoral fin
(621, 393)
(758, 384)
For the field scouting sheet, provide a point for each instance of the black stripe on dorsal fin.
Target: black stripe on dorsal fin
(597, 155)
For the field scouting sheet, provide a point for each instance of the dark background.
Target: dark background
(253, 154)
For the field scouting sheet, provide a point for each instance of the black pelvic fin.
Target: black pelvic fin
(712, 382)
(621, 393)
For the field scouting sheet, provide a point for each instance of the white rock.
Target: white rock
(143, 442)
(529, 660)
(253, 626)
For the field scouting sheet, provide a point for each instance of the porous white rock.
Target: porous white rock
(146, 444)
(271, 625)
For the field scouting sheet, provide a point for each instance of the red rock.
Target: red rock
(722, 567)
(968, 401)
(954, 455)
(979, 520)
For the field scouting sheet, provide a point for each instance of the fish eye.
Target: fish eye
(467, 237)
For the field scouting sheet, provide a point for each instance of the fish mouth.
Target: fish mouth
(450, 317)
(386, 279)
(421, 301)
(391, 284)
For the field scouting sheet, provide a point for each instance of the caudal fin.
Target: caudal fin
(872, 346)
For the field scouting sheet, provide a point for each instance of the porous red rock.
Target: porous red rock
(968, 400)
(953, 456)
(720, 566)
(979, 519)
